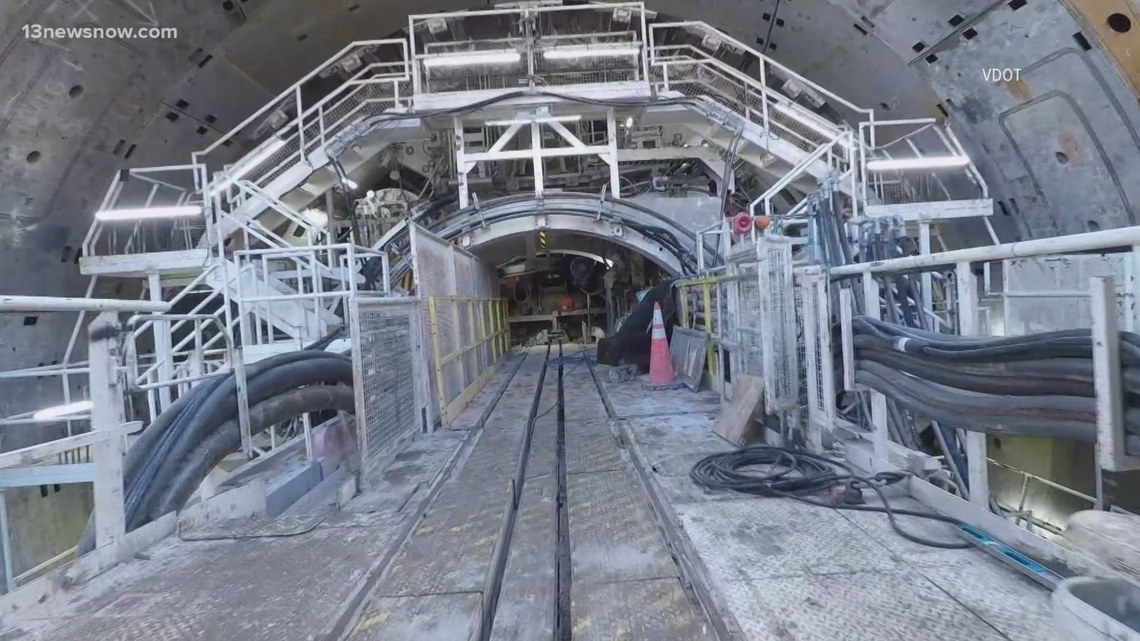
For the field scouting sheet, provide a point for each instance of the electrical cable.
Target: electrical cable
(802, 476)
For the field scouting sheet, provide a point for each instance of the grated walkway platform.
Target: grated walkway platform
(533, 520)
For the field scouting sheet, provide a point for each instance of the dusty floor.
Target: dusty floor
(608, 533)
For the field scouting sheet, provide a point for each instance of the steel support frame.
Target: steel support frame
(107, 416)
(466, 161)
(1110, 435)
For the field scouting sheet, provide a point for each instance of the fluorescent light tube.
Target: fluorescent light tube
(574, 52)
(924, 162)
(147, 213)
(538, 119)
(464, 59)
(61, 411)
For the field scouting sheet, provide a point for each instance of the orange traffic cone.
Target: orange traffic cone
(660, 363)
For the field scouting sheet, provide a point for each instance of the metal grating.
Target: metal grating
(748, 328)
(389, 376)
(779, 342)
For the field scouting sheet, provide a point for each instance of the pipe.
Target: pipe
(1089, 241)
(57, 304)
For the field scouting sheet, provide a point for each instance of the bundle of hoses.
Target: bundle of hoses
(1033, 385)
(169, 460)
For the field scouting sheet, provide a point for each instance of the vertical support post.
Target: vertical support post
(826, 359)
(6, 544)
(976, 454)
(461, 167)
(536, 150)
(811, 329)
(162, 342)
(433, 322)
(237, 361)
(483, 335)
(847, 336)
(1106, 377)
(683, 290)
(706, 304)
(612, 142)
(880, 434)
(107, 415)
(927, 282)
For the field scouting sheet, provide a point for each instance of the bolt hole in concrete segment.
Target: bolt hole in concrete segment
(1119, 23)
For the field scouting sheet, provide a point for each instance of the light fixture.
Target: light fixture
(575, 52)
(922, 162)
(538, 119)
(249, 163)
(351, 184)
(62, 411)
(629, 122)
(145, 213)
(501, 57)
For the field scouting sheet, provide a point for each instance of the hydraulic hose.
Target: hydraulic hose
(328, 368)
(227, 437)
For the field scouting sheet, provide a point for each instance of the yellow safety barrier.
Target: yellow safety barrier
(486, 318)
(705, 311)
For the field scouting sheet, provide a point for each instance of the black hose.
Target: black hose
(227, 438)
(218, 406)
(975, 412)
(329, 368)
(802, 477)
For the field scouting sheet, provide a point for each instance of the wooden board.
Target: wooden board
(735, 423)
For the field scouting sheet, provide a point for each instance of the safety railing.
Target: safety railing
(292, 125)
(1049, 274)
(147, 188)
(469, 337)
(766, 70)
(249, 220)
(701, 306)
(186, 350)
(913, 161)
(300, 287)
(693, 72)
(95, 456)
(842, 162)
(556, 46)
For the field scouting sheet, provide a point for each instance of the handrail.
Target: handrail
(295, 88)
(1106, 239)
(13, 304)
(793, 174)
(766, 92)
(720, 35)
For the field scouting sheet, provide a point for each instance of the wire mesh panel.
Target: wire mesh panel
(747, 324)
(779, 342)
(389, 377)
(818, 360)
(456, 289)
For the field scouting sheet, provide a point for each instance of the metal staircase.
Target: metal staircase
(275, 294)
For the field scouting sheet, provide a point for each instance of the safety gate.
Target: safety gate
(389, 375)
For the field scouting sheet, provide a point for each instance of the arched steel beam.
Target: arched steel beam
(614, 232)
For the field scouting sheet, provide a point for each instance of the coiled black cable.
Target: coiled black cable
(802, 476)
